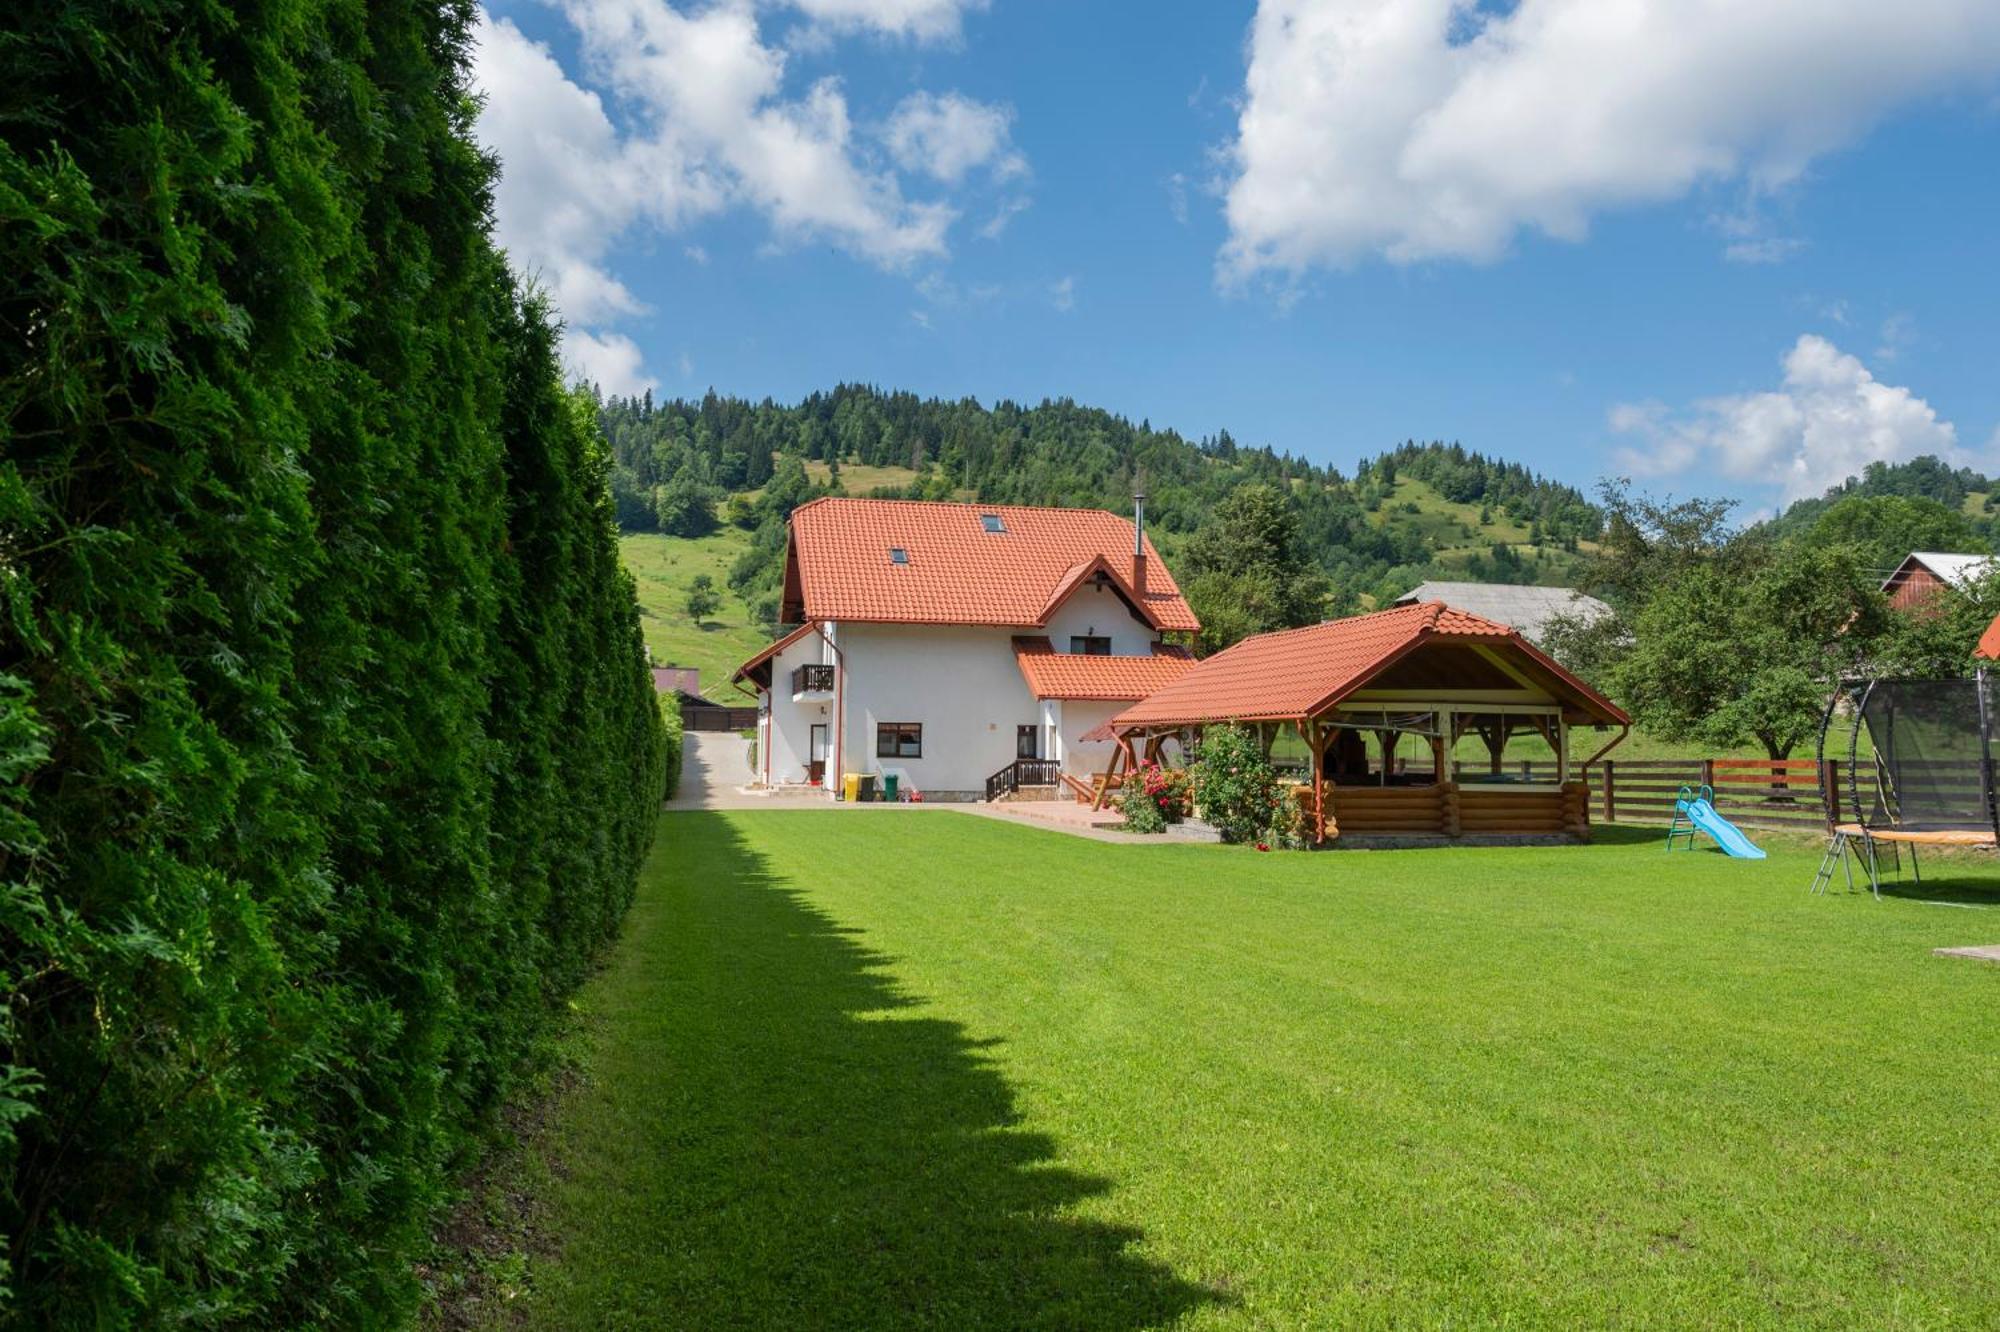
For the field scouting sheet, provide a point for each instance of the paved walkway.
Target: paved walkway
(1065, 816)
(716, 772)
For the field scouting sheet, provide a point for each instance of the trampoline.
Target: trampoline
(1925, 779)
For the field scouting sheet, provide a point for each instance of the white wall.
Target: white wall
(1078, 716)
(1099, 610)
(789, 737)
(961, 683)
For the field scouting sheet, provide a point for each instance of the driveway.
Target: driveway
(714, 764)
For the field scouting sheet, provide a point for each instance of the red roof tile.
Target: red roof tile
(1989, 642)
(1053, 674)
(839, 566)
(1301, 672)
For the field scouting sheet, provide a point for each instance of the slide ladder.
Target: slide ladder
(1694, 811)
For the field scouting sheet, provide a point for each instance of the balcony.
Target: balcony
(808, 680)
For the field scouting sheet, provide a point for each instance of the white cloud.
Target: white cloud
(920, 20)
(1827, 420)
(1177, 197)
(946, 136)
(708, 85)
(1424, 129)
(1762, 249)
(612, 361)
(705, 124)
(1899, 332)
(1062, 294)
(569, 185)
(1008, 210)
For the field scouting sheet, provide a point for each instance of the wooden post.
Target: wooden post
(1829, 782)
(1610, 792)
(1316, 742)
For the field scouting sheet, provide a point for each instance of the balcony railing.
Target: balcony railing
(816, 679)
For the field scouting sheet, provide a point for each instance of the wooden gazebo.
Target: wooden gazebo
(1424, 671)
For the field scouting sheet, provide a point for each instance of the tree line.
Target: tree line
(1725, 636)
(684, 467)
(329, 753)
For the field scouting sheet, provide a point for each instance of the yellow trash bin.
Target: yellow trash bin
(850, 787)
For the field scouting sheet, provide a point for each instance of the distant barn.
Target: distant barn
(1525, 608)
(684, 680)
(1923, 574)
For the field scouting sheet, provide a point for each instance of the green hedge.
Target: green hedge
(327, 755)
(670, 756)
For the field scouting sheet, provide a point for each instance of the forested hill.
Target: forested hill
(1946, 507)
(682, 467)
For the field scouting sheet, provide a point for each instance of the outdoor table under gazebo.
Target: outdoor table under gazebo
(1424, 673)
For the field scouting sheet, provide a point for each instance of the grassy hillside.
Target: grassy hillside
(663, 566)
(1456, 535)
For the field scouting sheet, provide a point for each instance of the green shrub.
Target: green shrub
(671, 741)
(327, 755)
(1234, 786)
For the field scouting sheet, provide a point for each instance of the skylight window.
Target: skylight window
(991, 522)
(897, 555)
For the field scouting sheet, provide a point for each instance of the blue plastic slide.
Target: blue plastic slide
(1699, 811)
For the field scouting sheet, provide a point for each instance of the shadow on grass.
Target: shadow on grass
(1952, 886)
(816, 1156)
(1627, 834)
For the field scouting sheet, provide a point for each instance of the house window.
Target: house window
(899, 740)
(991, 522)
(1090, 645)
(897, 555)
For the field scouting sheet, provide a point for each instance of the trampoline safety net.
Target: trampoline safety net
(1933, 754)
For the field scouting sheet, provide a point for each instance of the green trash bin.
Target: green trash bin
(889, 787)
(867, 787)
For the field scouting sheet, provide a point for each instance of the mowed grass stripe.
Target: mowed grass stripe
(928, 1069)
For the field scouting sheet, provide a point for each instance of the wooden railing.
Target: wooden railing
(812, 679)
(1020, 773)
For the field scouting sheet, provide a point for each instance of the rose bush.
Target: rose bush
(1233, 784)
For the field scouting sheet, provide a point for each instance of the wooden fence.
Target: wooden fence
(705, 717)
(1757, 793)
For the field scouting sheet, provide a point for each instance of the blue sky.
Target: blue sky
(1725, 255)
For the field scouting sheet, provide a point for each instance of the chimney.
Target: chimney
(1139, 536)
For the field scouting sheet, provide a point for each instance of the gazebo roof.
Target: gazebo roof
(1294, 674)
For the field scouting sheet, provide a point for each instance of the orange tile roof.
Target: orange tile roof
(839, 566)
(1297, 673)
(1053, 674)
(1989, 642)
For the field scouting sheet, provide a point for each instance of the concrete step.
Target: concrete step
(1194, 830)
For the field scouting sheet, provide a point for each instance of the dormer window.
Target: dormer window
(897, 555)
(991, 522)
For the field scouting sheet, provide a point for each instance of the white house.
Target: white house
(958, 645)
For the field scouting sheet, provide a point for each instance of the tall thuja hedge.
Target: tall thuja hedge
(327, 755)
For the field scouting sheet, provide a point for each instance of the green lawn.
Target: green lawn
(912, 1068)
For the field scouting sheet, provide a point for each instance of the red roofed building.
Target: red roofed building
(959, 645)
(1426, 671)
